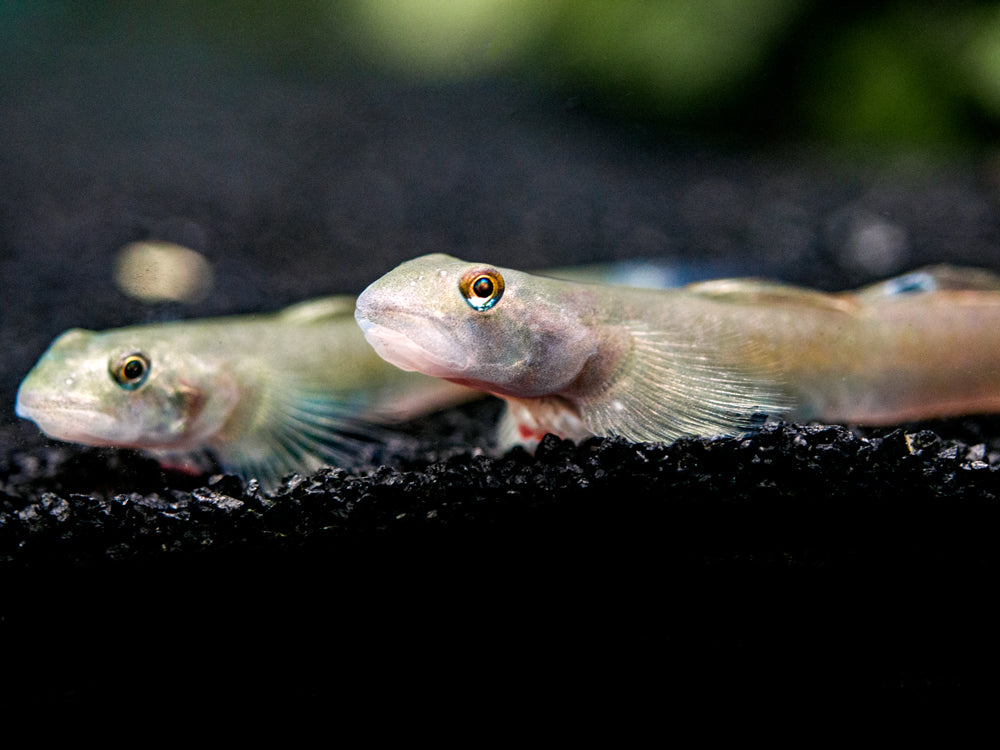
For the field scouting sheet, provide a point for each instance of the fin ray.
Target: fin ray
(676, 388)
(299, 429)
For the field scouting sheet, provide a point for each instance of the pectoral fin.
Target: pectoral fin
(669, 388)
(297, 428)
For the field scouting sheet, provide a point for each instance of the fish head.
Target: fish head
(124, 388)
(495, 329)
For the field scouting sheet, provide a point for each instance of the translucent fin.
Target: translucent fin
(507, 435)
(761, 292)
(298, 429)
(324, 308)
(650, 273)
(526, 421)
(675, 388)
(186, 462)
(934, 279)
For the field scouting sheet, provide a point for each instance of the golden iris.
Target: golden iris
(131, 371)
(482, 288)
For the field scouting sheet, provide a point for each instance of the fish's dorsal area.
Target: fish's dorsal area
(763, 292)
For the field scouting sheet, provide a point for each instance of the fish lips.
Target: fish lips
(396, 344)
(399, 349)
(70, 422)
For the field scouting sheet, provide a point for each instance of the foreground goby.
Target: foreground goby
(712, 358)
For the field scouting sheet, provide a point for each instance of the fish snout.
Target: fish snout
(23, 406)
(31, 397)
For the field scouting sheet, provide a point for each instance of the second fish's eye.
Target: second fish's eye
(131, 371)
(482, 288)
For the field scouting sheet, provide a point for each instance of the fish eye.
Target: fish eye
(131, 371)
(482, 288)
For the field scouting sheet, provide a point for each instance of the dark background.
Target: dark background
(306, 150)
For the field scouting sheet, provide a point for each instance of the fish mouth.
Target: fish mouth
(398, 348)
(71, 423)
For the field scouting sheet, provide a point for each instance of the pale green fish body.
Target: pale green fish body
(265, 394)
(712, 358)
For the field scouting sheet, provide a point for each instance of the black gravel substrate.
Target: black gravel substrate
(800, 559)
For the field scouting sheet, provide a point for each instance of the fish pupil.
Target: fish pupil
(133, 369)
(483, 287)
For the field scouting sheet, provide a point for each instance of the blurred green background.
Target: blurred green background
(907, 74)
